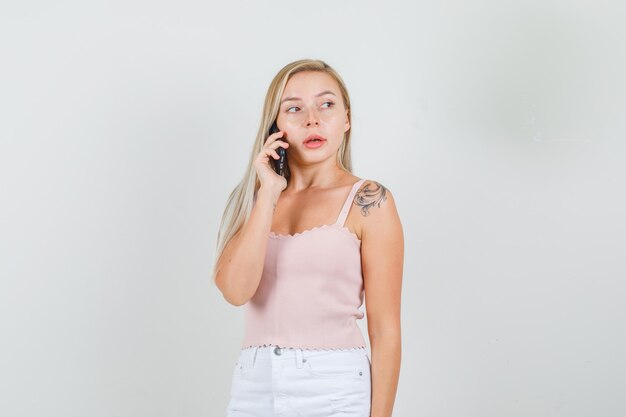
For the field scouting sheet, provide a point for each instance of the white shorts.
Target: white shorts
(269, 381)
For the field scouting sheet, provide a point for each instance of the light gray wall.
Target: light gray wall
(498, 125)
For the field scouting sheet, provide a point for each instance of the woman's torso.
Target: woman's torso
(312, 285)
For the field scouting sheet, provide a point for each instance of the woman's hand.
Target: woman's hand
(267, 176)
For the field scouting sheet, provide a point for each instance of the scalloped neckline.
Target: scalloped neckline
(316, 228)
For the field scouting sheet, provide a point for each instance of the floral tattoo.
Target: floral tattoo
(367, 197)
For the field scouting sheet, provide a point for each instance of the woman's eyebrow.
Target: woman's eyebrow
(298, 98)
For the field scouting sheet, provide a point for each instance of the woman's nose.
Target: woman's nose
(312, 118)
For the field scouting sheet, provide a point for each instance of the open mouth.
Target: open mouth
(314, 138)
(314, 144)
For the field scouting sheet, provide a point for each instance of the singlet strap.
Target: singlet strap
(348, 203)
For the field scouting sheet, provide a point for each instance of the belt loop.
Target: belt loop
(299, 358)
(256, 348)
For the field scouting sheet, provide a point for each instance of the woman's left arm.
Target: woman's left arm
(382, 258)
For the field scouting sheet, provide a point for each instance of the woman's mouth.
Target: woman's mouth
(314, 141)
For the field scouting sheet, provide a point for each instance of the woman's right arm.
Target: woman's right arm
(240, 267)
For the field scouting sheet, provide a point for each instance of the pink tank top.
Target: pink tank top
(311, 289)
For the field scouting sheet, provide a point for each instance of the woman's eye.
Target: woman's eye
(327, 102)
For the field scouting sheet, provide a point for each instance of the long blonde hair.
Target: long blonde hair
(240, 201)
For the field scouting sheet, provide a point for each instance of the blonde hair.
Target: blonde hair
(240, 201)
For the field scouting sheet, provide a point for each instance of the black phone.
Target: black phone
(281, 163)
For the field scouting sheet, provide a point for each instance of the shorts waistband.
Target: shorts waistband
(252, 354)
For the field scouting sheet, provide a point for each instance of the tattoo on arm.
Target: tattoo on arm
(367, 197)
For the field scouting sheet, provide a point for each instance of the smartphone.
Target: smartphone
(281, 163)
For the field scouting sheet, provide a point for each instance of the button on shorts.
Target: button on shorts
(270, 381)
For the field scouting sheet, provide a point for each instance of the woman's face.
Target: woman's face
(312, 105)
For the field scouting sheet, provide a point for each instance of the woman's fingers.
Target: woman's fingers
(278, 143)
(271, 146)
(276, 138)
(271, 151)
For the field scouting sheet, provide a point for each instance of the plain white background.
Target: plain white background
(497, 125)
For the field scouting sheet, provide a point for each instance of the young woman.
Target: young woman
(300, 251)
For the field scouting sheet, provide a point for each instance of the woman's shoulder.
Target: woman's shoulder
(379, 220)
(372, 186)
(365, 182)
(371, 195)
